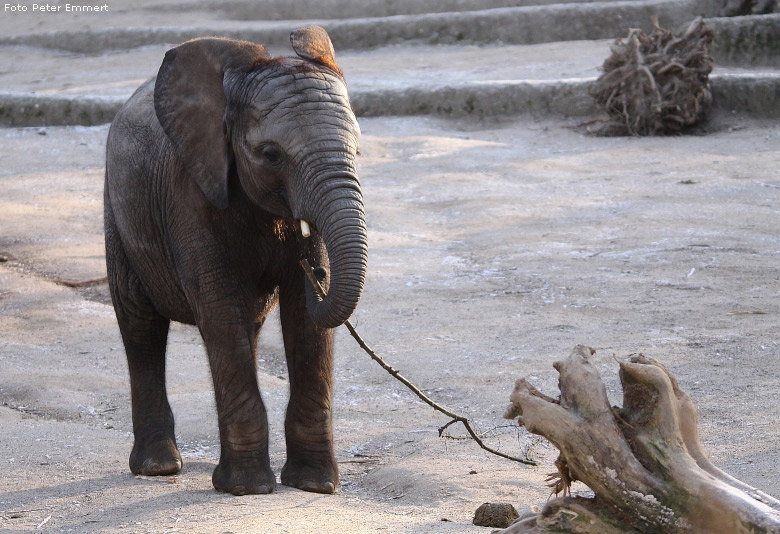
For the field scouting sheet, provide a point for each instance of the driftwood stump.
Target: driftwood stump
(644, 461)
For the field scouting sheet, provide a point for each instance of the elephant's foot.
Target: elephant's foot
(155, 458)
(316, 477)
(246, 477)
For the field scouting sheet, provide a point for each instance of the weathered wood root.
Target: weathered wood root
(655, 84)
(644, 461)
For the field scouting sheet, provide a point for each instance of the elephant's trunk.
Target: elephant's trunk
(339, 217)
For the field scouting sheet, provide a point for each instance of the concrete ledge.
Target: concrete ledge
(560, 97)
(753, 40)
(744, 41)
(342, 9)
(110, 39)
(515, 25)
(757, 95)
(30, 109)
(752, 94)
(524, 25)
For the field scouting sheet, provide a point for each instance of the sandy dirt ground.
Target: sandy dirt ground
(495, 247)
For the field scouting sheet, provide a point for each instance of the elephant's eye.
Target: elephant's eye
(271, 155)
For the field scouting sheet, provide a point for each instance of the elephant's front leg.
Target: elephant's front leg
(311, 464)
(244, 466)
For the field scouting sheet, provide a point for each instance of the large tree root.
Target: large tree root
(644, 461)
(655, 84)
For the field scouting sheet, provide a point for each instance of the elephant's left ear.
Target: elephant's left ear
(190, 103)
(313, 43)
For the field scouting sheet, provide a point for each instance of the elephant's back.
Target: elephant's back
(140, 168)
(135, 139)
(137, 154)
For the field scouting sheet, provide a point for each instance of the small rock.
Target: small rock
(472, 472)
(499, 515)
(42, 131)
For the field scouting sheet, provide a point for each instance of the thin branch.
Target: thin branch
(456, 418)
(530, 449)
(482, 435)
(443, 428)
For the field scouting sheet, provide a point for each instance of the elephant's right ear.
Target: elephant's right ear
(189, 100)
(313, 43)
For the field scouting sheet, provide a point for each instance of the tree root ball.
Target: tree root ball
(498, 515)
(643, 461)
(655, 84)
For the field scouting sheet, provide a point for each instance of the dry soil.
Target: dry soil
(495, 247)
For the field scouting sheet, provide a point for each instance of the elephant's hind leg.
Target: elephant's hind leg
(311, 463)
(145, 335)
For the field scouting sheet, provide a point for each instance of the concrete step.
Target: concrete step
(413, 77)
(141, 13)
(335, 9)
(753, 40)
(511, 25)
(753, 94)
(119, 73)
(392, 67)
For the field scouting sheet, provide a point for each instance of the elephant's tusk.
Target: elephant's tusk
(305, 230)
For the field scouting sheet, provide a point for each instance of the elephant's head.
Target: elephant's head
(287, 128)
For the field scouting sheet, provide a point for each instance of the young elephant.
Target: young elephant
(209, 170)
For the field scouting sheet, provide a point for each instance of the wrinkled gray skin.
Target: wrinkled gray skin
(208, 169)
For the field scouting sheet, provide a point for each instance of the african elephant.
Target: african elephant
(221, 175)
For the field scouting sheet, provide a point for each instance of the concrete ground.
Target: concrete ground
(496, 245)
(494, 249)
(119, 73)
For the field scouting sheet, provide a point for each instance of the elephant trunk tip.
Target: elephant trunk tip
(330, 311)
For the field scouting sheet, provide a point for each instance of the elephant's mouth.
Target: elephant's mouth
(277, 203)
